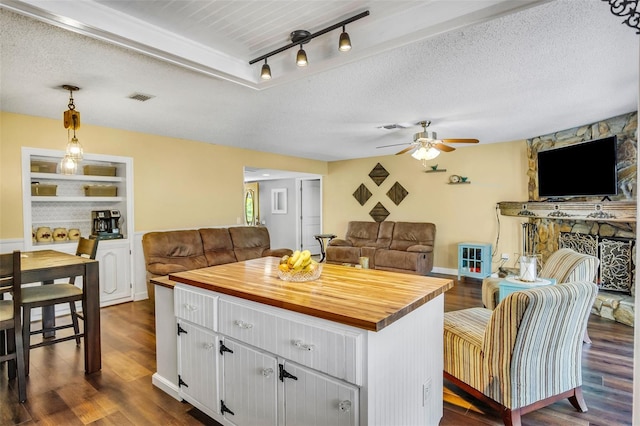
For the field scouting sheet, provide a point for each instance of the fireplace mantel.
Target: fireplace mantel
(605, 211)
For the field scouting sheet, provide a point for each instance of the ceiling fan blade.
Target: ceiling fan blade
(460, 140)
(407, 149)
(395, 144)
(442, 147)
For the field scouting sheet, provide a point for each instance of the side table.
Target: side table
(321, 238)
(512, 284)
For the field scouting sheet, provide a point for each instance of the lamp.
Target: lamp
(425, 153)
(344, 44)
(71, 120)
(300, 37)
(265, 74)
(301, 57)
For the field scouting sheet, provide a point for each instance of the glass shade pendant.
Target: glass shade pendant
(74, 149)
(301, 58)
(344, 44)
(425, 153)
(265, 74)
(68, 166)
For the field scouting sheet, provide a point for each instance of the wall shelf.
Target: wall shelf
(435, 171)
(459, 183)
(605, 211)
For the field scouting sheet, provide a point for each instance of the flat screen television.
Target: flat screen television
(583, 169)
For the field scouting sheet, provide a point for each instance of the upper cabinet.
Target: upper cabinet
(66, 202)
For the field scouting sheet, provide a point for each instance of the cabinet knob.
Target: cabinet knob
(208, 345)
(303, 346)
(243, 324)
(267, 372)
(191, 308)
(345, 405)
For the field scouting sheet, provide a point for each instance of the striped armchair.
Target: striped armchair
(565, 265)
(525, 354)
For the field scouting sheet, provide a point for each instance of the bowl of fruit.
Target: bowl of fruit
(299, 267)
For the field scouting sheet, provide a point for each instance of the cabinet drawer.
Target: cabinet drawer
(196, 306)
(312, 342)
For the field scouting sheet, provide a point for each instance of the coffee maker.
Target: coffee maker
(106, 224)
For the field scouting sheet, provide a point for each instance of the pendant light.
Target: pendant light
(74, 151)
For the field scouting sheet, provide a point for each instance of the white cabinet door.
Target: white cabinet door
(314, 399)
(250, 385)
(197, 366)
(115, 281)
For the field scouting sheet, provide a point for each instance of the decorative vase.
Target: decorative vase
(74, 234)
(44, 234)
(60, 234)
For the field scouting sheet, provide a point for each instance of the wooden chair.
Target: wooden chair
(10, 320)
(51, 295)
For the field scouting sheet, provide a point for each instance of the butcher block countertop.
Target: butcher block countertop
(364, 298)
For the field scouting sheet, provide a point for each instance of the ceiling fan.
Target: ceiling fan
(427, 146)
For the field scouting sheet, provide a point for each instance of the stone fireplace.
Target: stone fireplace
(605, 229)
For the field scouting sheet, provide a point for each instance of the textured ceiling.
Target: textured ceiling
(492, 73)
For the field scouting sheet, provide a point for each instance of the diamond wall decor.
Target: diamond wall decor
(379, 213)
(397, 193)
(362, 194)
(378, 174)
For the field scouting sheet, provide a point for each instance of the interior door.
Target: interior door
(310, 214)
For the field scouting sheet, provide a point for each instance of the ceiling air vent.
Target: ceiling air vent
(395, 126)
(141, 97)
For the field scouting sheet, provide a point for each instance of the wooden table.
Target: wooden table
(365, 298)
(48, 265)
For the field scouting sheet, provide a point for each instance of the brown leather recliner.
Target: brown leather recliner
(361, 239)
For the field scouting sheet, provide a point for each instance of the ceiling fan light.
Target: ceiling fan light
(265, 74)
(425, 153)
(301, 58)
(344, 44)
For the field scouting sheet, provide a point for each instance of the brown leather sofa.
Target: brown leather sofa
(391, 246)
(176, 251)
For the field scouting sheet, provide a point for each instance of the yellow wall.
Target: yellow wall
(177, 183)
(462, 213)
(180, 183)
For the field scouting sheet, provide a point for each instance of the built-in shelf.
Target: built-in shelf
(59, 199)
(83, 178)
(605, 211)
(435, 171)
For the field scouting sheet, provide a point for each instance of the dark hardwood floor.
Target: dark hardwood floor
(59, 393)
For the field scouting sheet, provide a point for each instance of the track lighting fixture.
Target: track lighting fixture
(300, 37)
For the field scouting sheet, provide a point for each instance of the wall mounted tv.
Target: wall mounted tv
(583, 169)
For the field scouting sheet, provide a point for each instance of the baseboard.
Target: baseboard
(447, 271)
(166, 386)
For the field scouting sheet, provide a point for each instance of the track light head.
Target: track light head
(344, 44)
(301, 58)
(265, 74)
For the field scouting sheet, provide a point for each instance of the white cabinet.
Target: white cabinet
(115, 281)
(68, 207)
(250, 385)
(197, 366)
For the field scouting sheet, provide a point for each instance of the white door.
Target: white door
(312, 398)
(310, 214)
(250, 385)
(197, 359)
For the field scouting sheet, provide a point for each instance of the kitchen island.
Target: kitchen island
(355, 347)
